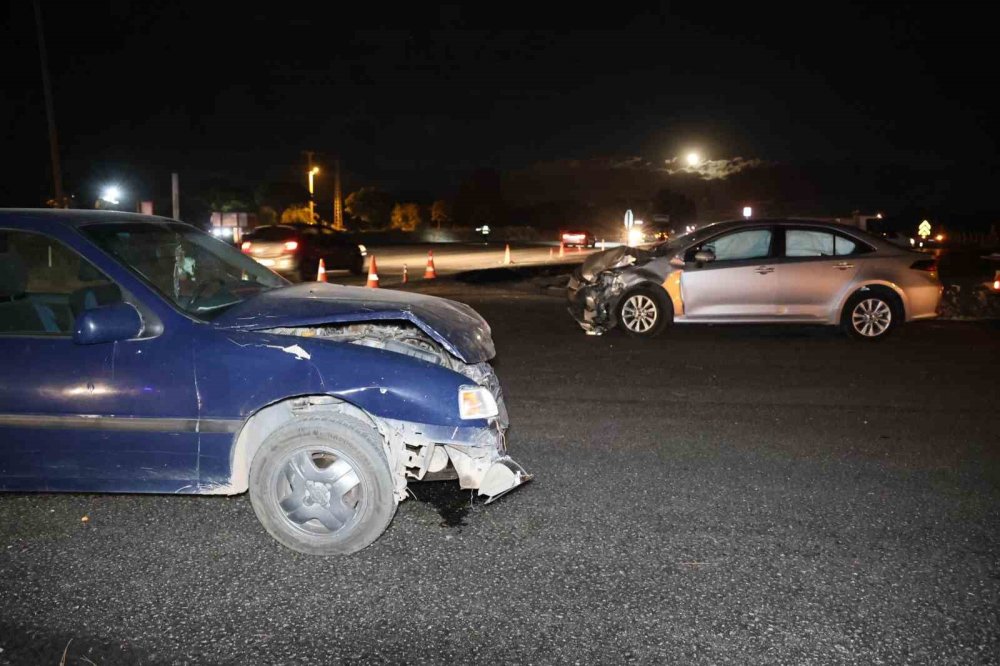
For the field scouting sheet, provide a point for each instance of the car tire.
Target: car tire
(321, 485)
(871, 314)
(358, 267)
(644, 312)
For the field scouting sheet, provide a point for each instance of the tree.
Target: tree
(297, 213)
(280, 195)
(221, 196)
(406, 217)
(267, 215)
(440, 212)
(369, 206)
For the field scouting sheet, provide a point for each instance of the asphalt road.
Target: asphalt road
(718, 495)
(450, 258)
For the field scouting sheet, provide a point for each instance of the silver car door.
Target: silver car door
(738, 284)
(818, 265)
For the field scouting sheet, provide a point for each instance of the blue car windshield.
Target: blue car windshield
(201, 275)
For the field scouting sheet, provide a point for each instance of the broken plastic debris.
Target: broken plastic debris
(297, 352)
(503, 476)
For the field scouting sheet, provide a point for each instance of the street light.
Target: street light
(312, 203)
(111, 194)
(747, 212)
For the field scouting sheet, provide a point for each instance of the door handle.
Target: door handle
(843, 266)
(764, 270)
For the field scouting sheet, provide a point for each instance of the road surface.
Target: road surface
(718, 495)
(450, 258)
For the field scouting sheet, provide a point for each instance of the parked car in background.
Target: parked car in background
(141, 355)
(577, 238)
(294, 250)
(761, 271)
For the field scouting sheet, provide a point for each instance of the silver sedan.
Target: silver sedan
(760, 271)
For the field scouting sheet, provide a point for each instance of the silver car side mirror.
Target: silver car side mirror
(704, 256)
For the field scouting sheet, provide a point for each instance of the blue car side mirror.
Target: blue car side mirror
(108, 323)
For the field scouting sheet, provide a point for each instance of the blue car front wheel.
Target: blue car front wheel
(321, 485)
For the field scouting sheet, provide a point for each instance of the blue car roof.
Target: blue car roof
(76, 217)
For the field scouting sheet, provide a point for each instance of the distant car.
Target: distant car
(994, 284)
(578, 238)
(141, 355)
(294, 250)
(764, 271)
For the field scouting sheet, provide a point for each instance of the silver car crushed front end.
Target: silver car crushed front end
(594, 288)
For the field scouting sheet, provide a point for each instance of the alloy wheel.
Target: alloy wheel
(318, 490)
(639, 314)
(871, 317)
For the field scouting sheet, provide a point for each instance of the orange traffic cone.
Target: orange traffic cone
(506, 256)
(321, 271)
(372, 274)
(551, 251)
(562, 249)
(429, 272)
(579, 249)
(405, 278)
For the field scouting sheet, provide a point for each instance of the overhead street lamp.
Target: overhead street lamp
(312, 203)
(111, 194)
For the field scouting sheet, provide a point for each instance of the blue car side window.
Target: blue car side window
(45, 285)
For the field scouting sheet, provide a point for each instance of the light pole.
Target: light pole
(312, 203)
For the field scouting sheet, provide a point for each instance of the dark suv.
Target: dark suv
(294, 250)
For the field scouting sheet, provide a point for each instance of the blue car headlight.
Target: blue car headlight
(476, 402)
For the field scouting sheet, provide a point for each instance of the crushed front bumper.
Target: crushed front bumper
(592, 303)
(477, 457)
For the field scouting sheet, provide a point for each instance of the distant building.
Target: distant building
(232, 226)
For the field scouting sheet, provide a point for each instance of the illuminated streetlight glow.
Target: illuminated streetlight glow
(312, 203)
(747, 212)
(112, 194)
(693, 159)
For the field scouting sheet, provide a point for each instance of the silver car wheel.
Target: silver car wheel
(871, 317)
(639, 314)
(318, 490)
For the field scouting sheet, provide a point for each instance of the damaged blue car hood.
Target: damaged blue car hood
(455, 325)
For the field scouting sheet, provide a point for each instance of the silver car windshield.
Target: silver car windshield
(201, 275)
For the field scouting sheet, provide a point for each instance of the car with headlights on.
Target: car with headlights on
(142, 355)
(578, 238)
(780, 271)
(294, 250)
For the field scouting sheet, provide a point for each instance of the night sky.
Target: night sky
(413, 99)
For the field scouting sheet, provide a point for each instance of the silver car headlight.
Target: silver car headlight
(476, 402)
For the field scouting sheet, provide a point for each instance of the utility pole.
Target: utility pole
(338, 206)
(311, 175)
(175, 190)
(49, 109)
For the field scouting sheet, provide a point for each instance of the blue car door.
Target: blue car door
(116, 416)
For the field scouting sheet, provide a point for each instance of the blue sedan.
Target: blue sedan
(142, 355)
